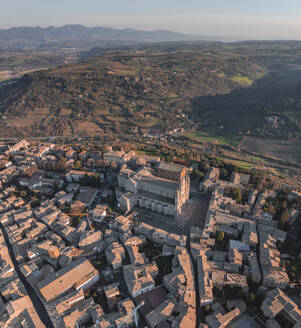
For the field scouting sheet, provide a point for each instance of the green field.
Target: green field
(241, 164)
(173, 96)
(227, 139)
(242, 80)
(258, 158)
(148, 153)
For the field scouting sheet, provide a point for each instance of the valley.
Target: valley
(215, 94)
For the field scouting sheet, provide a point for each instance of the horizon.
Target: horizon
(250, 20)
(215, 37)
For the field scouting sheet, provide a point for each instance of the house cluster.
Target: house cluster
(167, 136)
(72, 254)
(92, 266)
(53, 258)
(56, 259)
(238, 244)
(15, 303)
(276, 302)
(50, 251)
(127, 239)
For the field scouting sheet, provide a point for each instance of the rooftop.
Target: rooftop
(66, 278)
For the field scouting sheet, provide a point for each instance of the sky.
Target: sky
(236, 19)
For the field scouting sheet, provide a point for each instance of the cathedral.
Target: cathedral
(164, 189)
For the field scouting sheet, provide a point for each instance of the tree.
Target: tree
(197, 174)
(272, 210)
(23, 193)
(284, 217)
(78, 165)
(236, 193)
(252, 297)
(207, 308)
(223, 173)
(220, 235)
(266, 205)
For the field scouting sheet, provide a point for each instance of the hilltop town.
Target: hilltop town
(102, 237)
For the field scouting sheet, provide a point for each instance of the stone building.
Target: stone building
(277, 302)
(140, 278)
(164, 189)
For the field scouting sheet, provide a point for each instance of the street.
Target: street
(35, 299)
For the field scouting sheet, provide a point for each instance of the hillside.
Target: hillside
(121, 91)
(15, 63)
(213, 90)
(269, 107)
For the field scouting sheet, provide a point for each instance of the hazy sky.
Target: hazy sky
(260, 19)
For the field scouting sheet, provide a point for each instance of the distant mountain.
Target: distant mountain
(79, 35)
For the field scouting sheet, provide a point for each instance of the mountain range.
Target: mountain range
(79, 36)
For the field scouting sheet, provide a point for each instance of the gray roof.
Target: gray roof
(168, 184)
(86, 194)
(170, 167)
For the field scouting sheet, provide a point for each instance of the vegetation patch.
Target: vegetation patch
(173, 96)
(242, 80)
(293, 268)
(227, 139)
(241, 164)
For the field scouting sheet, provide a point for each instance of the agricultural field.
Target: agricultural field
(4, 75)
(226, 139)
(285, 150)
